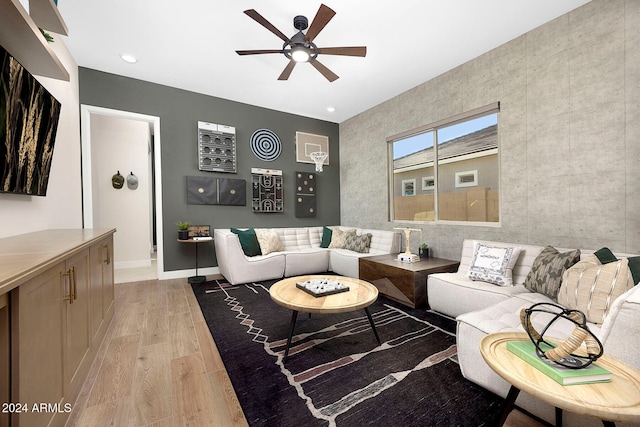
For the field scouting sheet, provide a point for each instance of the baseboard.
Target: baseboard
(178, 274)
(132, 264)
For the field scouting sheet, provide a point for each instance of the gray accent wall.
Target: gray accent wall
(179, 113)
(569, 134)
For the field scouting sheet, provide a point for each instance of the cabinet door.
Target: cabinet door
(97, 293)
(76, 326)
(37, 345)
(108, 298)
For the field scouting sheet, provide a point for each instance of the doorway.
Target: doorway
(115, 143)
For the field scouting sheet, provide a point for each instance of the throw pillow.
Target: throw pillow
(248, 241)
(634, 266)
(605, 256)
(338, 238)
(357, 243)
(592, 287)
(493, 264)
(269, 241)
(546, 272)
(326, 237)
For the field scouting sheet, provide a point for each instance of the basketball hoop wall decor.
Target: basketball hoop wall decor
(312, 149)
(266, 145)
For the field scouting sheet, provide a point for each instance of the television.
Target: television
(28, 124)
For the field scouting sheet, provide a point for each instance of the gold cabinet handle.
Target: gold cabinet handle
(106, 248)
(70, 297)
(75, 282)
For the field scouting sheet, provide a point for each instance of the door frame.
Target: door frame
(86, 111)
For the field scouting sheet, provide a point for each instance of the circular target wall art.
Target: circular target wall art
(266, 145)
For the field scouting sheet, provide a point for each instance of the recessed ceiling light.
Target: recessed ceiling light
(331, 109)
(128, 58)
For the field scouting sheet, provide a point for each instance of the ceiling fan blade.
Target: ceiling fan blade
(330, 75)
(257, 52)
(268, 25)
(346, 51)
(322, 18)
(287, 70)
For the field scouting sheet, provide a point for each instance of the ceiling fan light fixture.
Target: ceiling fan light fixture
(300, 54)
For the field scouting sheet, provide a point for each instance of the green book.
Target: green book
(526, 350)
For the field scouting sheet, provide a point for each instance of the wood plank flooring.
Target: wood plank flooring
(158, 366)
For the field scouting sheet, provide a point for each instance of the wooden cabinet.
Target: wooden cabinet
(60, 312)
(38, 345)
(102, 288)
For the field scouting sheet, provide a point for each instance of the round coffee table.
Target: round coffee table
(360, 295)
(618, 400)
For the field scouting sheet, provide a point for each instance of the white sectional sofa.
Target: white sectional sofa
(301, 254)
(482, 308)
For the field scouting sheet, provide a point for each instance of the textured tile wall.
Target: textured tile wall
(569, 135)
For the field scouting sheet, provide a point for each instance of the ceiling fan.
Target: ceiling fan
(300, 47)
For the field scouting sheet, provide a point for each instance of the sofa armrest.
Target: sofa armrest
(620, 333)
(227, 248)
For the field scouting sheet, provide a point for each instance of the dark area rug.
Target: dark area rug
(336, 374)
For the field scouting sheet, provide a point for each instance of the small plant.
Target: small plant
(183, 226)
(423, 246)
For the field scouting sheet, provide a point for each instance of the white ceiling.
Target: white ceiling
(191, 45)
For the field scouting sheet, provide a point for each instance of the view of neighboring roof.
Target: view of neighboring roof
(475, 142)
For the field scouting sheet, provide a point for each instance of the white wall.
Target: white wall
(62, 206)
(122, 145)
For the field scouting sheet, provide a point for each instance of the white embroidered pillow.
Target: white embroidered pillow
(493, 264)
(269, 241)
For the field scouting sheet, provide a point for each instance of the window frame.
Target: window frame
(433, 127)
(459, 183)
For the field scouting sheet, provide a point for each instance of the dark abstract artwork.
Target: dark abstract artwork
(28, 123)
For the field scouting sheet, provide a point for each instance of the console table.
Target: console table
(404, 282)
(196, 278)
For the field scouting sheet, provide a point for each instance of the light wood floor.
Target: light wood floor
(158, 366)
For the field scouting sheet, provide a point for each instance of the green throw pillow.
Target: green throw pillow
(605, 256)
(546, 272)
(248, 241)
(326, 237)
(634, 266)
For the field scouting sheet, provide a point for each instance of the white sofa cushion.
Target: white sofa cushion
(294, 238)
(306, 261)
(454, 294)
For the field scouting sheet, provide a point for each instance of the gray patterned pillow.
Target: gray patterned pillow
(546, 273)
(358, 243)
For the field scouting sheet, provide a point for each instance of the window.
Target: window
(467, 179)
(455, 161)
(409, 187)
(428, 182)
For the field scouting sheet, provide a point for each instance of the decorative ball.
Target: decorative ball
(563, 353)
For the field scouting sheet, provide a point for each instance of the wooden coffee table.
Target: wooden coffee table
(403, 282)
(618, 400)
(361, 294)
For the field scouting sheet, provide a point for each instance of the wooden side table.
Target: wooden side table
(618, 400)
(404, 282)
(196, 278)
